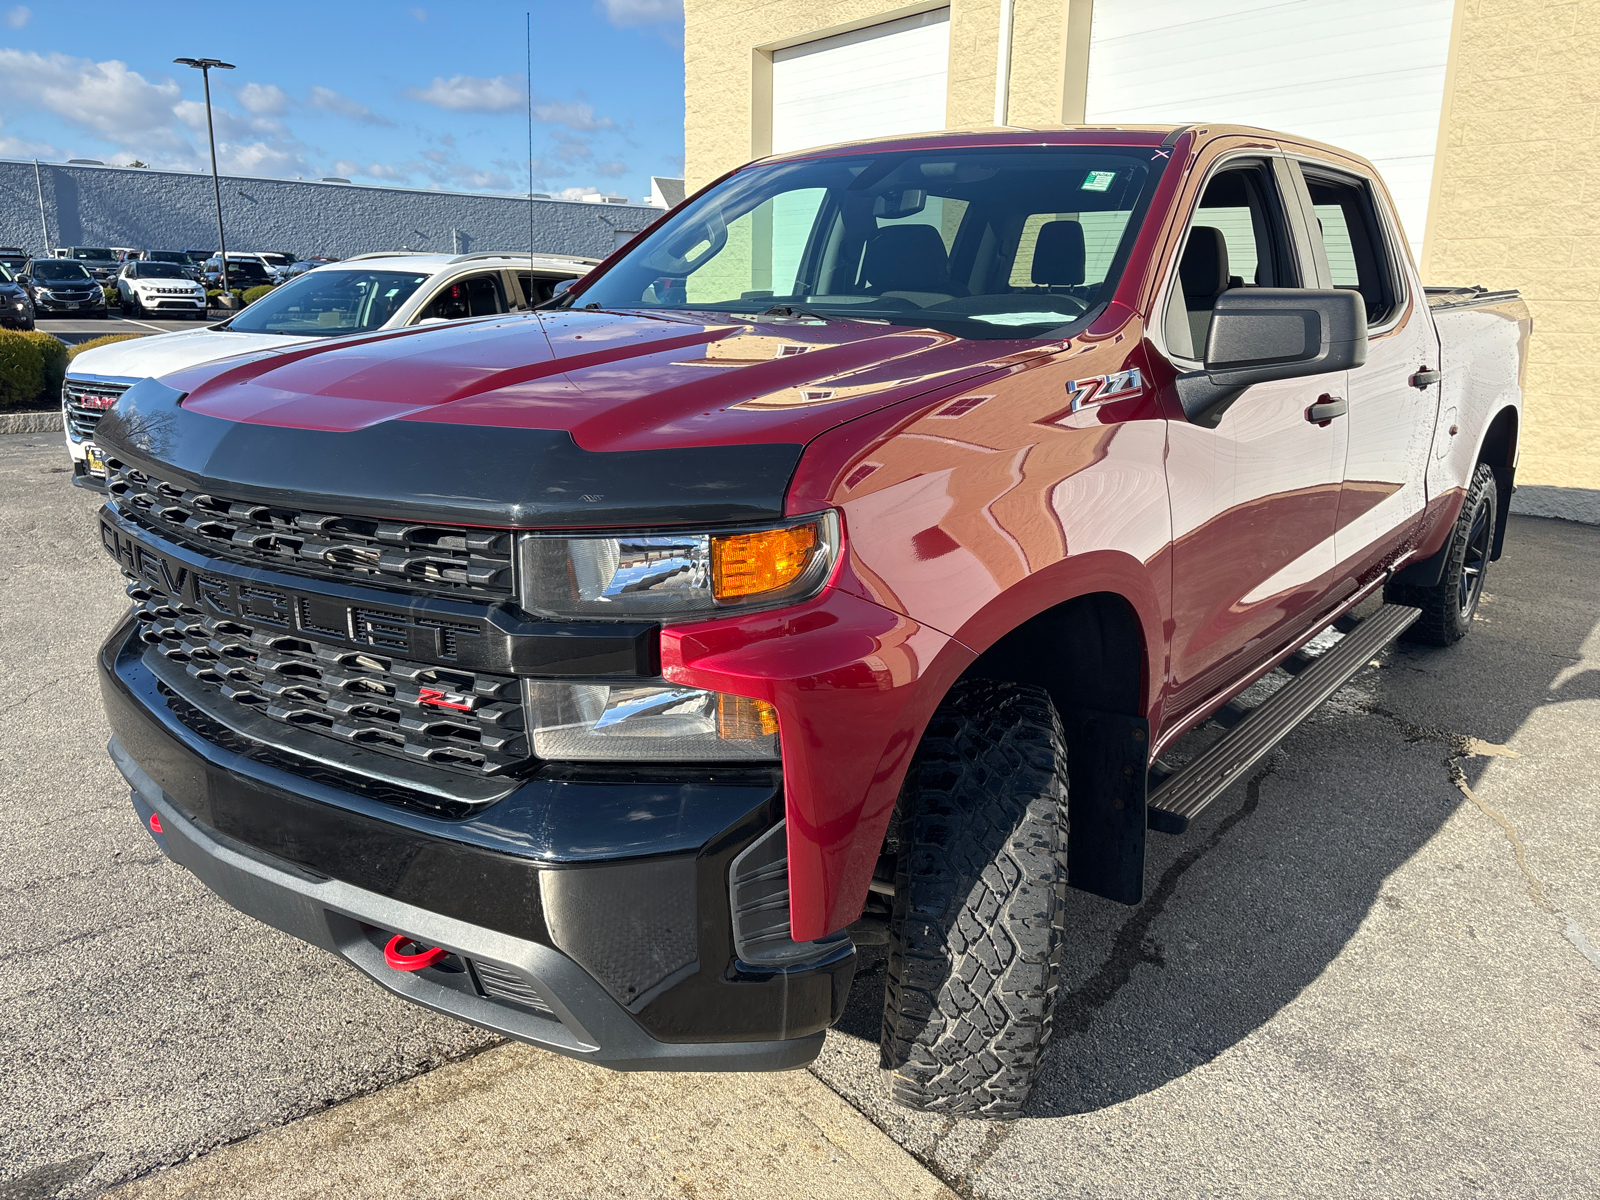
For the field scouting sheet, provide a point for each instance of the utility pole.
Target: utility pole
(204, 65)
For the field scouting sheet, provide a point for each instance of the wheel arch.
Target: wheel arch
(1499, 451)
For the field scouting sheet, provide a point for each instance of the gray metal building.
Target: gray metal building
(43, 205)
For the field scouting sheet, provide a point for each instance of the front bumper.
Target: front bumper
(48, 304)
(588, 916)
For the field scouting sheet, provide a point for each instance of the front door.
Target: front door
(1255, 499)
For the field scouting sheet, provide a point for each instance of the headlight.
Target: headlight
(652, 720)
(677, 575)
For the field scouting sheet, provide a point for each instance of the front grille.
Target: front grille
(447, 560)
(83, 404)
(370, 700)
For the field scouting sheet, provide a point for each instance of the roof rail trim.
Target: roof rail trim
(1171, 140)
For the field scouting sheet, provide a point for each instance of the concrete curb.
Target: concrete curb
(1566, 504)
(30, 422)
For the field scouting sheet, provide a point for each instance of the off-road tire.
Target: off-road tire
(975, 935)
(1447, 607)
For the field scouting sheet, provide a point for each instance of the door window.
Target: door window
(473, 296)
(1358, 259)
(1237, 238)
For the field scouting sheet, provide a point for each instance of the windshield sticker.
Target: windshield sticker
(1026, 318)
(1098, 181)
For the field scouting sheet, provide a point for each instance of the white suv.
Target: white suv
(359, 295)
(158, 289)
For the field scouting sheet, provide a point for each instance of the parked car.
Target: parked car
(835, 565)
(100, 261)
(191, 269)
(276, 263)
(308, 264)
(63, 286)
(198, 257)
(242, 273)
(151, 288)
(363, 295)
(14, 259)
(16, 305)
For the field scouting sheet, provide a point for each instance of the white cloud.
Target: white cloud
(17, 17)
(469, 93)
(572, 149)
(262, 98)
(331, 101)
(471, 177)
(577, 193)
(104, 98)
(387, 171)
(625, 13)
(420, 14)
(436, 156)
(258, 158)
(611, 169)
(576, 114)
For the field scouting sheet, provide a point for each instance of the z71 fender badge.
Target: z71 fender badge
(1097, 389)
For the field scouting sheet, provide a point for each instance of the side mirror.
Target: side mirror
(562, 287)
(1261, 334)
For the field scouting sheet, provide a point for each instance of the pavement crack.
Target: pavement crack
(1076, 1011)
(43, 687)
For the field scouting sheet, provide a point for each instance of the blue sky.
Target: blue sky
(418, 95)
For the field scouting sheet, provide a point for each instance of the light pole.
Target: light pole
(204, 66)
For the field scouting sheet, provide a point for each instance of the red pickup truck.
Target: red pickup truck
(837, 564)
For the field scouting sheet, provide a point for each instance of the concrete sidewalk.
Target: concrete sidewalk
(517, 1122)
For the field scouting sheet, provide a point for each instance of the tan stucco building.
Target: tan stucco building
(1476, 111)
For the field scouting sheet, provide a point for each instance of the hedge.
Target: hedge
(215, 294)
(53, 352)
(21, 368)
(255, 293)
(74, 351)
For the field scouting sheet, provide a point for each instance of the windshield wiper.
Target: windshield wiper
(800, 310)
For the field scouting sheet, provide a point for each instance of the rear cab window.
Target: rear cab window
(1351, 234)
(470, 296)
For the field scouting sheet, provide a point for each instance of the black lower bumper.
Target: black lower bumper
(589, 917)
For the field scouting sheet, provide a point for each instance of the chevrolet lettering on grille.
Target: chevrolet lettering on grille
(425, 630)
(416, 637)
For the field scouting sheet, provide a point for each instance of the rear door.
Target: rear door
(1357, 246)
(1255, 499)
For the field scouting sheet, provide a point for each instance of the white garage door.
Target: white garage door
(1365, 75)
(872, 82)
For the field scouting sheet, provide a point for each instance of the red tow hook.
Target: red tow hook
(425, 957)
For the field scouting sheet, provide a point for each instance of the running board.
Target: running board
(1179, 799)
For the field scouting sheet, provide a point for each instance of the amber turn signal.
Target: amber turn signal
(741, 719)
(749, 564)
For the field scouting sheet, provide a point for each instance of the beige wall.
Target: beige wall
(1516, 197)
(1517, 204)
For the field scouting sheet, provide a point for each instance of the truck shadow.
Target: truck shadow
(1266, 890)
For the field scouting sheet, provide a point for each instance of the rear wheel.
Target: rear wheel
(1447, 606)
(975, 936)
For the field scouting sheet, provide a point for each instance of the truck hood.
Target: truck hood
(163, 353)
(545, 419)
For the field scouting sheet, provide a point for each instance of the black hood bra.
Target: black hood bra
(433, 471)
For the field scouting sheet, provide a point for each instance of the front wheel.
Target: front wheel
(975, 935)
(1448, 606)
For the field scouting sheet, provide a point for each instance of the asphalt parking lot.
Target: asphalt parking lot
(1369, 971)
(73, 330)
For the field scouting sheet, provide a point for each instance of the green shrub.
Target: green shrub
(111, 294)
(255, 293)
(21, 368)
(53, 351)
(215, 294)
(74, 351)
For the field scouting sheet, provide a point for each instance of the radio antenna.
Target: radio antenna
(529, 19)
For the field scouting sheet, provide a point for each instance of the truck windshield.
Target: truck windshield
(329, 303)
(166, 256)
(982, 243)
(93, 254)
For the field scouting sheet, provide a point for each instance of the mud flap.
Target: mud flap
(1107, 760)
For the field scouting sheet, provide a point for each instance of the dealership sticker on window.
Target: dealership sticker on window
(1021, 318)
(1098, 181)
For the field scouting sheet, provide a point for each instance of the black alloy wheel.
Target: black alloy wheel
(1449, 606)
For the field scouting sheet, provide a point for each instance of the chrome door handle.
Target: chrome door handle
(1425, 378)
(1326, 409)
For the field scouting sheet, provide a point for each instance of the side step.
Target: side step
(1180, 798)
